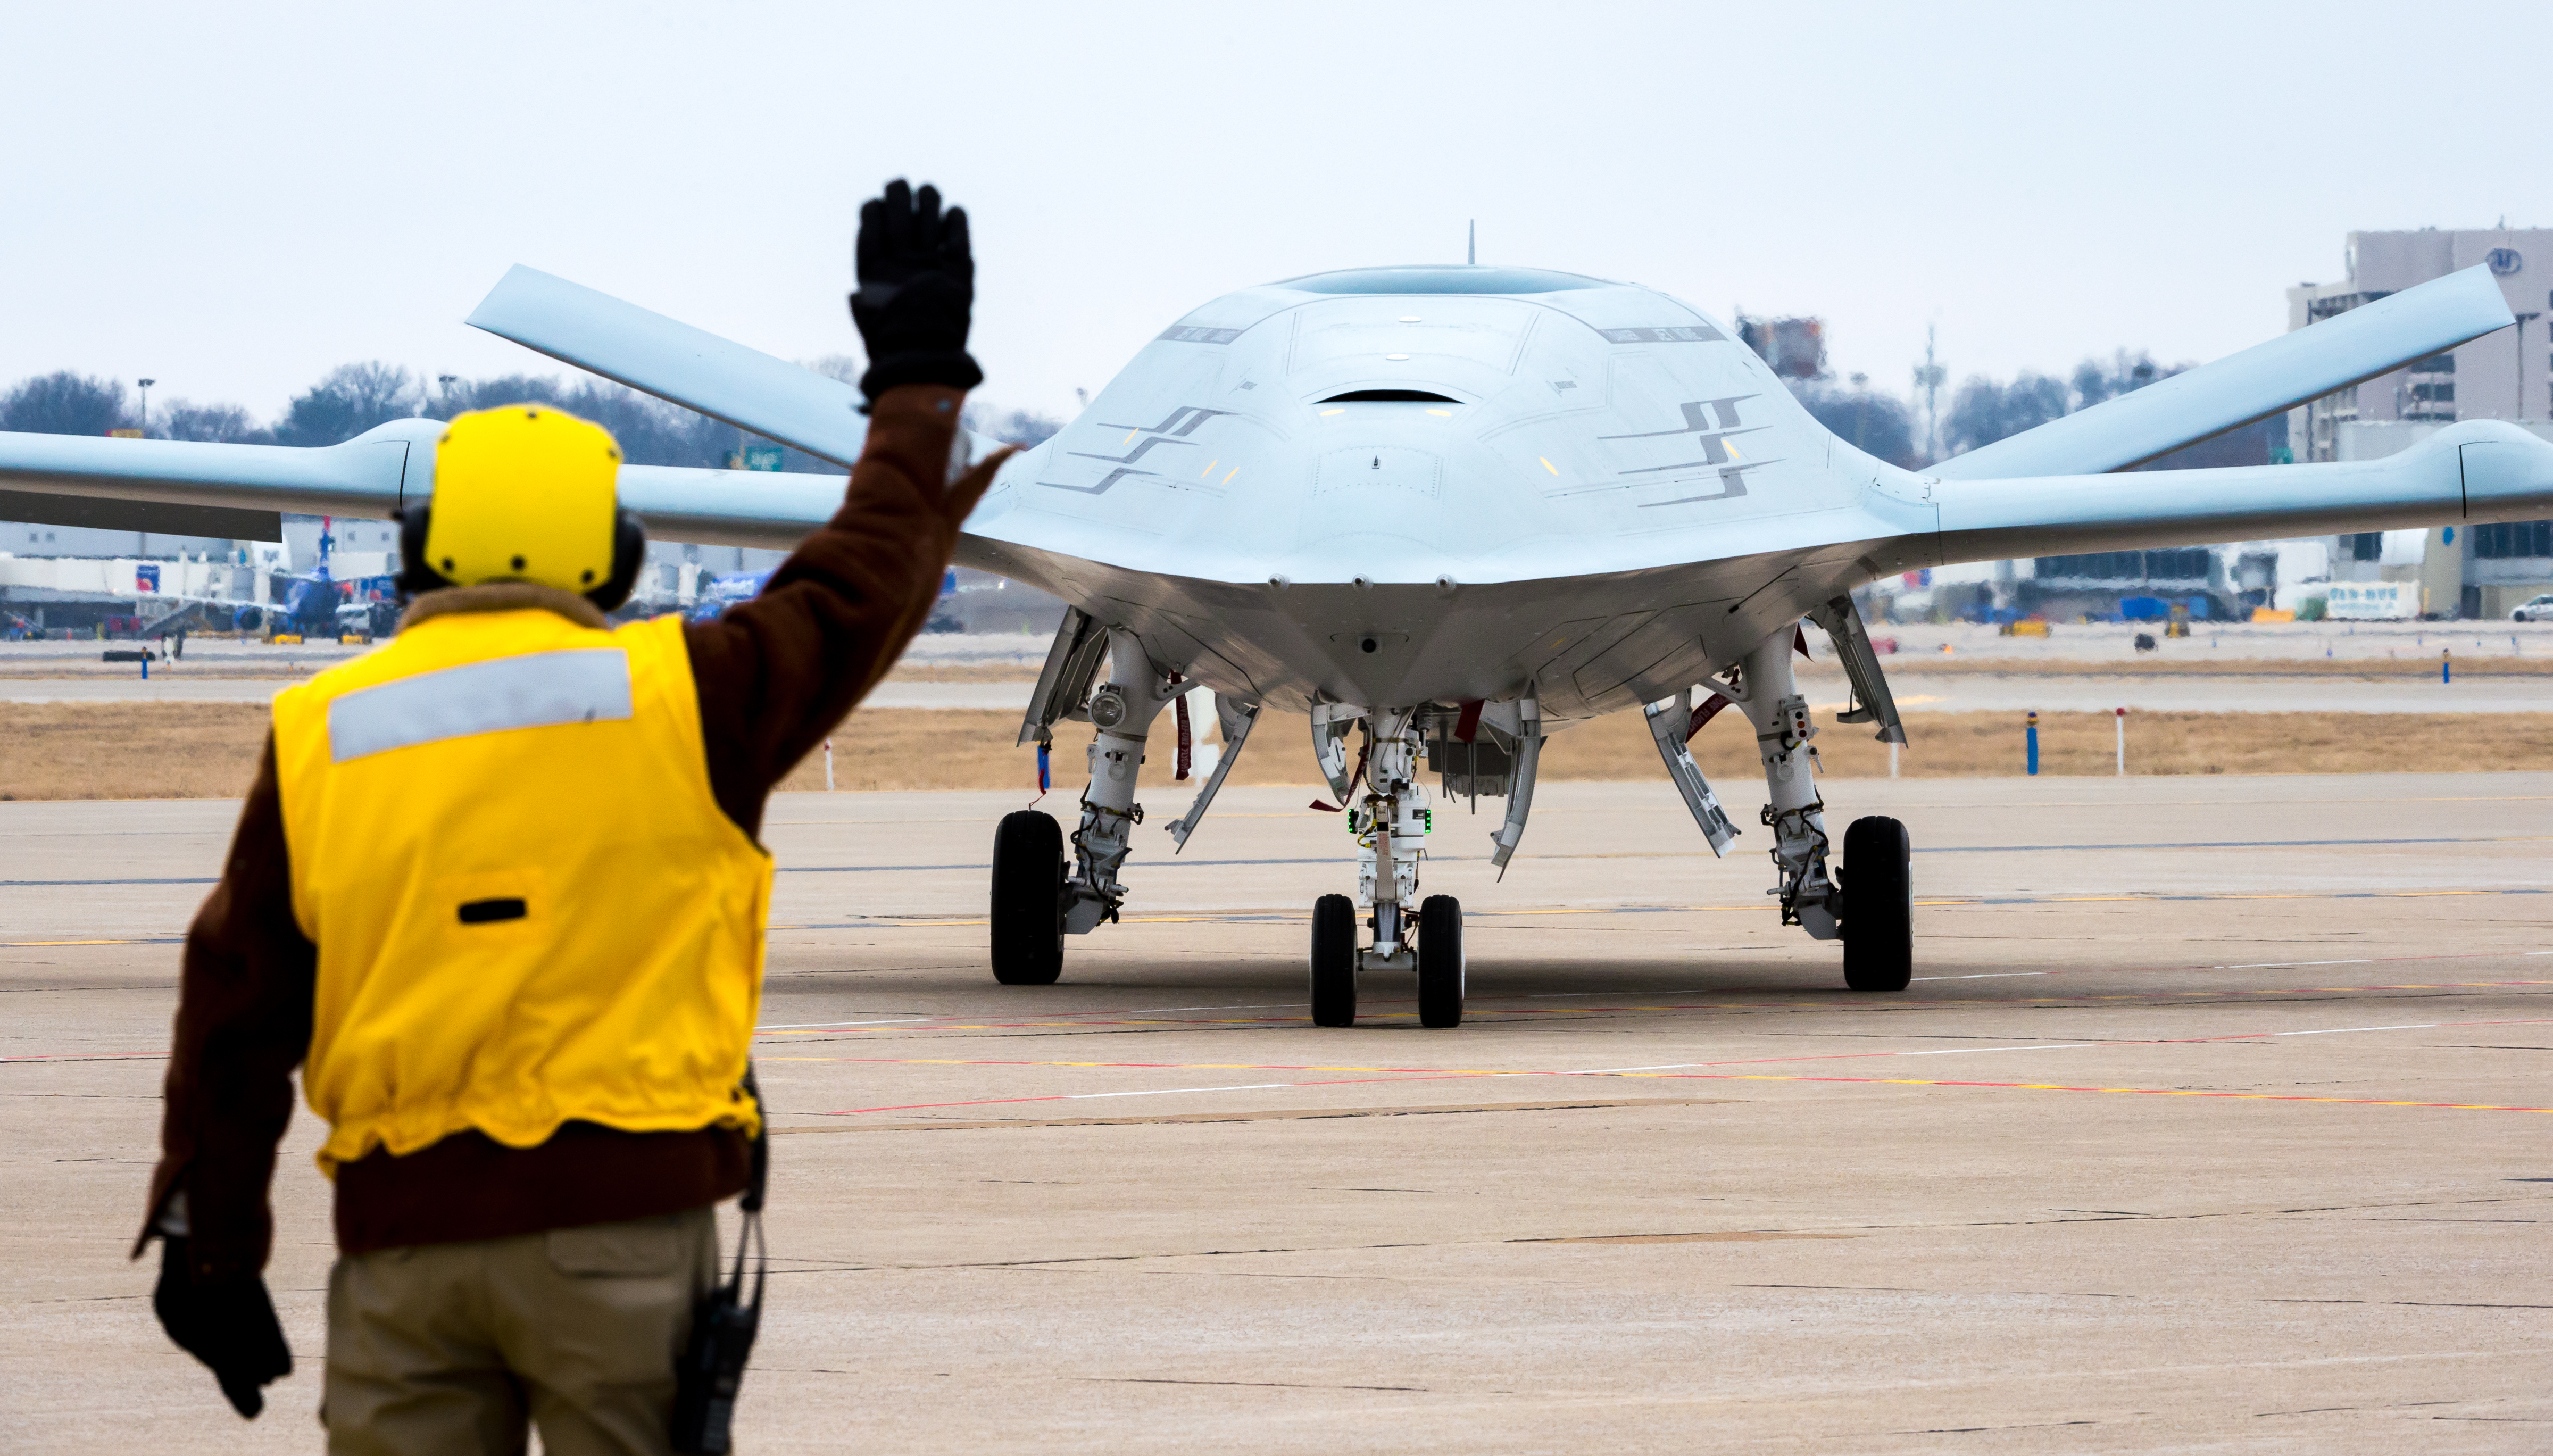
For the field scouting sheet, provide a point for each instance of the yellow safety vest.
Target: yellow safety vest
(529, 908)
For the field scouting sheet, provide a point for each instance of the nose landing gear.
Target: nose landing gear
(1336, 959)
(1390, 823)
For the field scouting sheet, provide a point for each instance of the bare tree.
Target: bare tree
(1985, 412)
(351, 400)
(1870, 420)
(64, 403)
(220, 425)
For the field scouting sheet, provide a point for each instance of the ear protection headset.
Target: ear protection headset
(628, 554)
(524, 494)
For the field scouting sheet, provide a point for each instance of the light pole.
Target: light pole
(446, 381)
(146, 403)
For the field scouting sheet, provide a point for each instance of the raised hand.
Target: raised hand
(917, 291)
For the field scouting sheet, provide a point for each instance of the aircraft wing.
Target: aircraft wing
(2479, 471)
(189, 489)
(674, 361)
(2235, 391)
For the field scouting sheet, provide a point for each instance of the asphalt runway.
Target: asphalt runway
(2218, 1118)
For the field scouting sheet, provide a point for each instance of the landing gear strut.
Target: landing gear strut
(1037, 902)
(1870, 906)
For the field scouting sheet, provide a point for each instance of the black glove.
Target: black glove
(917, 290)
(227, 1323)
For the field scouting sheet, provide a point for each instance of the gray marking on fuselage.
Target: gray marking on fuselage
(1690, 333)
(1726, 412)
(1102, 488)
(1194, 415)
(1131, 456)
(1732, 484)
(1715, 451)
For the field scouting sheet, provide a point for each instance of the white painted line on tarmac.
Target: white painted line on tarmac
(1997, 976)
(1569, 995)
(1157, 1010)
(2056, 1046)
(793, 1026)
(2416, 1025)
(1609, 1071)
(1174, 1091)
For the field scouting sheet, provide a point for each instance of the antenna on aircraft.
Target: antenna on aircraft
(1472, 241)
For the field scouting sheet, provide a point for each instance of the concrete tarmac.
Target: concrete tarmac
(2218, 1118)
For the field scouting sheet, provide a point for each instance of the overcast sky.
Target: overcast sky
(235, 198)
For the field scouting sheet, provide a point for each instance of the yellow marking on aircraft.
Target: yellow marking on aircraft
(1442, 413)
(1326, 413)
(1209, 469)
(1227, 479)
(1732, 449)
(1129, 434)
(1547, 465)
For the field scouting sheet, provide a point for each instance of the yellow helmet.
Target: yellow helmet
(525, 492)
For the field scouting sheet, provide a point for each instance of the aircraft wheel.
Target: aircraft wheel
(1878, 906)
(1028, 900)
(1440, 961)
(1334, 960)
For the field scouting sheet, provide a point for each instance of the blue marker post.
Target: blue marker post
(2029, 743)
(2447, 665)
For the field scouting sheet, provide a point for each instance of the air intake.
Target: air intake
(1390, 396)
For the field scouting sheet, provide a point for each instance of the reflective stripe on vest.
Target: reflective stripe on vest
(528, 906)
(535, 690)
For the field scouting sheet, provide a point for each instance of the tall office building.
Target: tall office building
(2484, 570)
(2504, 376)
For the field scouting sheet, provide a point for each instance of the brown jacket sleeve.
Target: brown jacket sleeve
(244, 1007)
(779, 672)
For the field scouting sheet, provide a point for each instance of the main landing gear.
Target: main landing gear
(1867, 903)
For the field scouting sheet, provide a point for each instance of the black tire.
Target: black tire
(1878, 906)
(1440, 961)
(1028, 900)
(1334, 960)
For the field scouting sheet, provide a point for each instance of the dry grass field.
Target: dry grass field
(197, 750)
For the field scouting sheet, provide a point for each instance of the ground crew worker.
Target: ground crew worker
(498, 892)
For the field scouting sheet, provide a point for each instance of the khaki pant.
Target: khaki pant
(454, 1347)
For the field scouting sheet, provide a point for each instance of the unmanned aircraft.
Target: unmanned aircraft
(1447, 511)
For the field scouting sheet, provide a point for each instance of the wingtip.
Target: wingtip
(484, 317)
